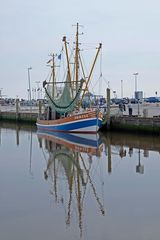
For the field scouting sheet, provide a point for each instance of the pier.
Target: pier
(29, 117)
(145, 117)
(135, 124)
(18, 113)
(23, 115)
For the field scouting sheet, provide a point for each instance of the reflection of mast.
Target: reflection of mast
(76, 172)
(49, 146)
(30, 155)
(79, 200)
(0, 135)
(70, 199)
(55, 182)
(93, 188)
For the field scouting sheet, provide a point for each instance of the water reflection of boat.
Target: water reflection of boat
(89, 143)
(71, 168)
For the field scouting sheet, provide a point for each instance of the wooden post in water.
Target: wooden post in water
(108, 108)
(17, 134)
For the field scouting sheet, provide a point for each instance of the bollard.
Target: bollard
(145, 113)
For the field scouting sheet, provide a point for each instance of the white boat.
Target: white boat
(86, 122)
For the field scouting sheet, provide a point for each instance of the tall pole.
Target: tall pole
(68, 65)
(121, 88)
(135, 75)
(108, 108)
(53, 75)
(76, 57)
(90, 74)
(29, 83)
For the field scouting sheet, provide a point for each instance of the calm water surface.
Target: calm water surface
(60, 187)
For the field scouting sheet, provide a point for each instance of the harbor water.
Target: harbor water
(78, 187)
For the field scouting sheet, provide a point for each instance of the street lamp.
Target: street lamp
(135, 75)
(136, 94)
(122, 89)
(29, 83)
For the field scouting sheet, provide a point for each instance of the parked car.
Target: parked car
(152, 99)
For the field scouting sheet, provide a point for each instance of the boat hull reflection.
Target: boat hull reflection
(88, 143)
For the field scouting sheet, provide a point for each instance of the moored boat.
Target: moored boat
(85, 122)
(66, 109)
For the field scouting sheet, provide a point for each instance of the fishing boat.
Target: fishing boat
(67, 111)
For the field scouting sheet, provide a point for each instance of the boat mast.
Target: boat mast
(90, 74)
(53, 74)
(68, 66)
(76, 56)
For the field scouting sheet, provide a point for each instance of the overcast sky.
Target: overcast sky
(128, 30)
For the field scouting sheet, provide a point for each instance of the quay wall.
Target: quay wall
(135, 124)
(29, 117)
(117, 123)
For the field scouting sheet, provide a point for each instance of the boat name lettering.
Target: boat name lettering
(81, 116)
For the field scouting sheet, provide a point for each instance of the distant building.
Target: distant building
(139, 95)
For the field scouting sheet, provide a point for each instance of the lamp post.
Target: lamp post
(136, 94)
(135, 75)
(122, 89)
(29, 83)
